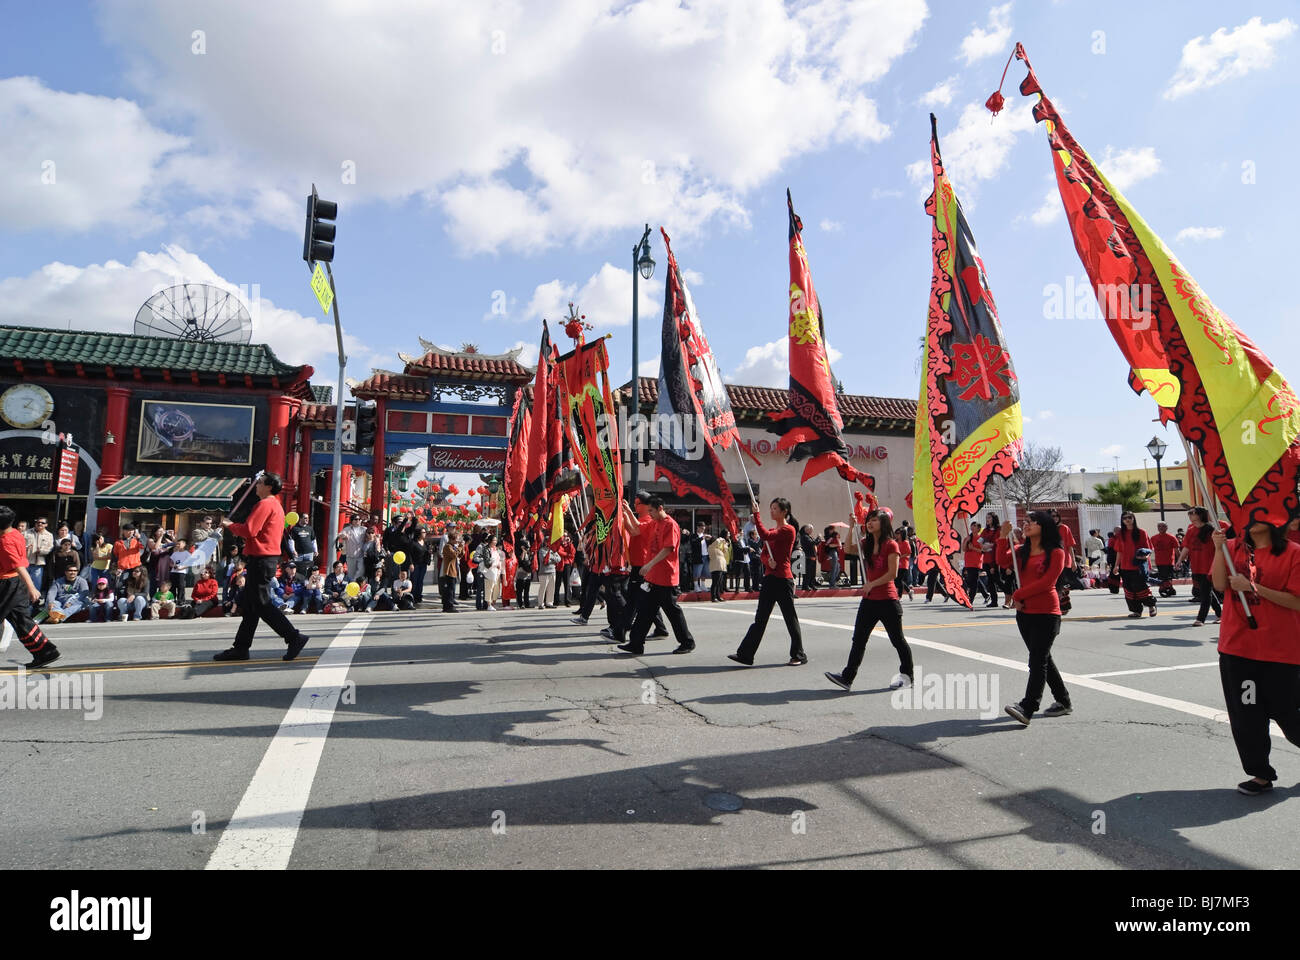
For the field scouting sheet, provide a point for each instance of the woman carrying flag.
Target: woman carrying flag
(879, 604)
(777, 588)
(1198, 551)
(1137, 592)
(1260, 668)
(1038, 615)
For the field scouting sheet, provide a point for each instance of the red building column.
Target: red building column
(278, 428)
(291, 455)
(304, 471)
(114, 454)
(378, 488)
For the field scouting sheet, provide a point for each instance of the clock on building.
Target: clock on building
(26, 405)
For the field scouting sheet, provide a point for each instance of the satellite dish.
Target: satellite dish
(195, 311)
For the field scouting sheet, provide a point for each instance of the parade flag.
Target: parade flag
(968, 418)
(518, 432)
(541, 428)
(810, 427)
(1225, 395)
(708, 393)
(591, 426)
(688, 387)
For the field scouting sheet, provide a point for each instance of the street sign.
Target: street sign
(67, 471)
(466, 459)
(349, 435)
(320, 285)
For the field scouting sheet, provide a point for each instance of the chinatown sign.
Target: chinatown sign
(466, 459)
(760, 448)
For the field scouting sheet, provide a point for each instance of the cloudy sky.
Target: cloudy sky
(494, 160)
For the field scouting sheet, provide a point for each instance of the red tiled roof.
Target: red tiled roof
(318, 415)
(394, 386)
(468, 366)
(758, 400)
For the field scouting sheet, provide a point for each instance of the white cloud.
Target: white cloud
(1045, 415)
(650, 368)
(1226, 55)
(1114, 450)
(1050, 211)
(831, 226)
(989, 41)
(1199, 233)
(693, 278)
(605, 299)
(722, 97)
(73, 161)
(939, 95)
(975, 149)
(769, 365)
(885, 193)
(106, 297)
(1128, 167)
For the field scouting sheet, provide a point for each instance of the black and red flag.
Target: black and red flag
(518, 434)
(691, 395)
(542, 427)
(810, 427)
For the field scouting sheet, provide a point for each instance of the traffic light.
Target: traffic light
(318, 237)
(367, 422)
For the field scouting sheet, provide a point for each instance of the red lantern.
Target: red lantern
(422, 484)
(436, 489)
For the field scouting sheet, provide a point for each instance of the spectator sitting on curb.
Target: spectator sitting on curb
(336, 584)
(68, 595)
(204, 594)
(164, 602)
(234, 590)
(135, 596)
(309, 594)
(101, 602)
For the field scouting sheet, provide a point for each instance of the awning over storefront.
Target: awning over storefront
(137, 492)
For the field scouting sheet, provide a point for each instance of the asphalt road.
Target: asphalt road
(516, 739)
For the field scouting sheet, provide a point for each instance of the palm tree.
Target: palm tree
(1131, 495)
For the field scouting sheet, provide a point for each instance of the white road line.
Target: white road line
(264, 827)
(1141, 696)
(1181, 666)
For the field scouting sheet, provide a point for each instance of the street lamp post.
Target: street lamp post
(1157, 450)
(644, 266)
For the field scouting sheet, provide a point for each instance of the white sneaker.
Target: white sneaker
(900, 680)
(580, 621)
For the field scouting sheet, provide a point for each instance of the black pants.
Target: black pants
(902, 584)
(970, 578)
(1274, 695)
(616, 601)
(522, 586)
(809, 575)
(991, 574)
(16, 608)
(717, 585)
(648, 605)
(1165, 571)
(933, 582)
(632, 606)
(417, 582)
(591, 584)
(1039, 631)
(447, 591)
(1209, 596)
(889, 613)
(562, 579)
(851, 563)
(775, 591)
(256, 602)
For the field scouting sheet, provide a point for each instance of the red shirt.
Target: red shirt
(567, 552)
(1277, 638)
(973, 556)
(1067, 544)
(263, 530)
(989, 536)
(877, 567)
(665, 534)
(1003, 553)
(127, 553)
(13, 553)
(1125, 547)
(204, 590)
(1200, 556)
(781, 542)
(1164, 545)
(904, 551)
(638, 550)
(1038, 583)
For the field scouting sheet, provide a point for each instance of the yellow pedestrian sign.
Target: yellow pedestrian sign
(320, 286)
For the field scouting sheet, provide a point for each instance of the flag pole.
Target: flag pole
(1212, 504)
(767, 547)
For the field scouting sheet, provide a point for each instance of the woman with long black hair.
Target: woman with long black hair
(1198, 551)
(1260, 668)
(1038, 615)
(879, 604)
(777, 588)
(1137, 592)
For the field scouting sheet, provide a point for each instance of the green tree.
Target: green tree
(1131, 495)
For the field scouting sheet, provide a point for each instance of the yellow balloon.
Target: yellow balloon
(352, 589)
(399, 558)
(291, 518)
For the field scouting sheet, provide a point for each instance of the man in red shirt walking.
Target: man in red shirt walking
(18, 593)
(1165, 545)
(661, 585)
(262, 533)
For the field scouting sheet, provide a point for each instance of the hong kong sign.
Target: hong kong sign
(466, 459)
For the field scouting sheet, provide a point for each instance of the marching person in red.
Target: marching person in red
(661, 576)
(777, 588)
(1137, 593)
(1260, 668)
(904, 561)
(1005, 564)
(1038, 616)
(1198, 551)
(1165, 547)
(263, 532)
(988, 561)
(18, 593)
(638, 553)
(1067, 545)
(973, 564)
